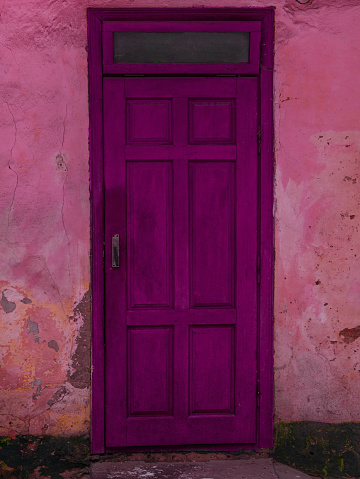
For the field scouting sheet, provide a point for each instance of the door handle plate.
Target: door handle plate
(115, 253)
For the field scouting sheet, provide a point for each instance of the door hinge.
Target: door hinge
(259, 140)
(258, 393)
(258, 269)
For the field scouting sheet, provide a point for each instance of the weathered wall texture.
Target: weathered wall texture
(44, 212)
(317, 283)
(44, 220)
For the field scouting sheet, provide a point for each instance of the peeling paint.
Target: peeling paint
(53, 345)
(26, 300)
(37, 393)
(8, 306)
(349, 335)
(80, 377)
(32, 326)
(58, 396)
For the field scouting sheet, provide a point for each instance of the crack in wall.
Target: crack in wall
(287, 364)
(55, 285)
(64, 126)
(66, 175)
(15, 172)
(63, 199)
(66, 169)
(10, 50)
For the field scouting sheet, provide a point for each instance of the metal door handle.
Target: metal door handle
(115, 257)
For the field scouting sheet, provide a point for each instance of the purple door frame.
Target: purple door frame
(97, 17)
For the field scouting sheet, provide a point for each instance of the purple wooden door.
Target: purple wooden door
(181, 309)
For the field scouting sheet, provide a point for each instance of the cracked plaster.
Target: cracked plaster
(44, 210)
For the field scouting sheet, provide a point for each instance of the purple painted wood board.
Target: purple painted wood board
(266, 232)
(164, 335)
(97, 234)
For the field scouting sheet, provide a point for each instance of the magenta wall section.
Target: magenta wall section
(45, 210)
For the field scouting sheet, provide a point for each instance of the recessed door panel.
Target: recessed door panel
(212, 370)
(150, 371)
(212, 229)
(150, 248)
(148, 121)
(212, 121)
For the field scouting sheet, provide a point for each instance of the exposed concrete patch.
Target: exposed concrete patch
(37, 393)
(58, 396)
(349, 335)
(8, 306)
(32, 326)
(325, 450)
(60, 162)
(26, 300)
(244, 468)
(80, 378)
(53, 345)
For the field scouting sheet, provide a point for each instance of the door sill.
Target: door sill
(188, 448)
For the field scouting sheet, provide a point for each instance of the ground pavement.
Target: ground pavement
(255, 468)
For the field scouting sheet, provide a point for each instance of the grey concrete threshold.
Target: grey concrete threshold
(259, 468)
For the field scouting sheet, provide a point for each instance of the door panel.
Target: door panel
(148, 121)
(181, 310)
(211, 122)
(150, 371)
(212, 223)
(211, 370)
(149, 234)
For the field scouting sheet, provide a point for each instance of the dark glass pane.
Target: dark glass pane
(181, 47)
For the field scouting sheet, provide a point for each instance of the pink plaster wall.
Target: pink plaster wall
(317, 282)
(44, 211)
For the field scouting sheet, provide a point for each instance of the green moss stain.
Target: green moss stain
(49, 455)
(5, 441)
(282, 433)
(325, 450)
(320, 449)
